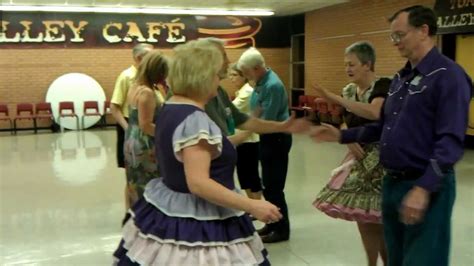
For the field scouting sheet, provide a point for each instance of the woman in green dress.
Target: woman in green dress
(144, 99)
(355, 190)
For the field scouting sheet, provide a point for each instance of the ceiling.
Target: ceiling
(280, 7)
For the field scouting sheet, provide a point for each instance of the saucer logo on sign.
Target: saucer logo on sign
(237, 32)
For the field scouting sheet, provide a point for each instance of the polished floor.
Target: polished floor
(61, 203)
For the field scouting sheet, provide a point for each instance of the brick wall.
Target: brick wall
(330, 30)
(26, 74)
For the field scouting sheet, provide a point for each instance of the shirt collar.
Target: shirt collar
(426, 65)
(265, 77)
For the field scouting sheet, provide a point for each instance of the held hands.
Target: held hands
(295, 125)
(264, 211)
(325, 133)
(414, 206)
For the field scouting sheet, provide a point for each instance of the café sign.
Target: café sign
(455, 16)
(86, 30)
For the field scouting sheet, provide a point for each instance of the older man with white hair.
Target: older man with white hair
(269, 102)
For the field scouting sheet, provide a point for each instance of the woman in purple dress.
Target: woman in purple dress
(193, 215)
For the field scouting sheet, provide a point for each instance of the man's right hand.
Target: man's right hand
(325, 133)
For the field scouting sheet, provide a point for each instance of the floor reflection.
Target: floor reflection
(61, 203)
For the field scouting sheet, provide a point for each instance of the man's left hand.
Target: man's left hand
(414, 206)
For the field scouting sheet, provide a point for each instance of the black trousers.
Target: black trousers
(274, 151)
(247, 166)
(120, 140)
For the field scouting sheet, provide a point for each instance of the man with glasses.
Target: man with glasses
(421, 133)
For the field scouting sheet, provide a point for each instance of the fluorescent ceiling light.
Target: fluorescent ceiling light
(132, 10)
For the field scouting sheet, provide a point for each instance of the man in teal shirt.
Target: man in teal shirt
(227, 117)
(269, 101)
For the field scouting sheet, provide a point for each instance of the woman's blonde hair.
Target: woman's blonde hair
(152, 70)
(194, 67)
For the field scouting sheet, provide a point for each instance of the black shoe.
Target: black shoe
(264, 231)
(274, 237)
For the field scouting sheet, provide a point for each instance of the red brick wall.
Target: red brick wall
(330, 30)
(26, 74)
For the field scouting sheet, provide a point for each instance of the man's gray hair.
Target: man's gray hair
(141, 49)
(251, 58)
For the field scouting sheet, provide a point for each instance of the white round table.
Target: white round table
(77, 88)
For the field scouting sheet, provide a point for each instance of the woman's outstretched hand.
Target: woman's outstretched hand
(325, 133)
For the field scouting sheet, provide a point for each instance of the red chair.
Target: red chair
(336, 113)
(335, 109)
(304, 105)
(24, 111)
(5, 116)
(44, 111)
(69, 107)
(322, 108)
(321, 105)
(90, 105)
(310, 98)
(311, 106)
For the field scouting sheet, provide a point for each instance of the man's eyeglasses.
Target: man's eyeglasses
(397, 37)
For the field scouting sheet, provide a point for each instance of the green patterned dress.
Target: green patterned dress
(355, 189)
(139, 151)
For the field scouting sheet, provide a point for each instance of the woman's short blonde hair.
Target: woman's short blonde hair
(194, 66)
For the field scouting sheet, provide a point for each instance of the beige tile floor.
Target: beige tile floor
(61, 203)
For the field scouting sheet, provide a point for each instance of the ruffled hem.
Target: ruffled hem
(149, 221)
(143, 250)
(349, 214)
(351, 206)
(185, 205)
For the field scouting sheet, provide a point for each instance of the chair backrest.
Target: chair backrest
(4, 109)
(107, 107)
(321, 105)
(312, 103)
(24, 108)
(43, 107)
(310, 99)
(335, 109)
(66, 106)
(91, 105)
(302, 100)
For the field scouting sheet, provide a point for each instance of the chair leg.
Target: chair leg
(77, 123)
(61, 125)
(12, 130)
(101, 122)
(35, 125)
(82, 122)
(14, 126)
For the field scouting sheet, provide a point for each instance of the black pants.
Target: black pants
(120, 140)
(274, 150)
(247, 166)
